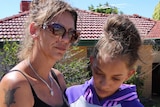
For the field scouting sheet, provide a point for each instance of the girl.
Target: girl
(112, 63)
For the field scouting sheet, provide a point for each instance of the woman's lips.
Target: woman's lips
(62, 49)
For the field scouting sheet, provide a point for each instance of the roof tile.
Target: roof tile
(90, 24)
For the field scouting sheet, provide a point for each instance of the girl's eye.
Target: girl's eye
(116, 79)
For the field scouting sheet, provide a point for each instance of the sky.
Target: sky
(143, 8)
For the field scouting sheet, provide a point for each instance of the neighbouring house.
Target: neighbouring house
(90, 24)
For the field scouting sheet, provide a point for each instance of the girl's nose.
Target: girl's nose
(105, 83)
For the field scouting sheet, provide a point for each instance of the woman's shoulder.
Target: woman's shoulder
(13, 79)
(16, 88)
(57, 72)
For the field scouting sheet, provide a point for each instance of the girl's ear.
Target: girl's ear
(130, 74)
(33, 29)
(91, 59)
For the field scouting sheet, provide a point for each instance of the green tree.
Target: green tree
(156, 13)
(91, 7)
(106, 8)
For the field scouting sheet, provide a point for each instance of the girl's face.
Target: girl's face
(53, 45)
(109, 75)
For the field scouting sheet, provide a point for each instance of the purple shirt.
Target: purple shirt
(85, 96)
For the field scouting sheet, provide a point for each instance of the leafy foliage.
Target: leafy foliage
(138, 81)
(74, 72)
(8, 54)
(156, 13)
(106, 8)
(74, 68)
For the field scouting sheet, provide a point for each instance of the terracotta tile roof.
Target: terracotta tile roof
(155, 32)
(143, 24)
(12, 27)
(90, 24)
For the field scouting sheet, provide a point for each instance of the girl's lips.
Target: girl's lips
(100, 91)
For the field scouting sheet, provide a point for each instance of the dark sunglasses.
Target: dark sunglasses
(59, 30)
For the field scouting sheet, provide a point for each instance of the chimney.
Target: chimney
(24, 5)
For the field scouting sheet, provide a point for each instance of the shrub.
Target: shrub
(8, 54)
(73, 68)
(138, 81)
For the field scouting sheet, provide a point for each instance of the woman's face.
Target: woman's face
(108, 76)
(54, 46)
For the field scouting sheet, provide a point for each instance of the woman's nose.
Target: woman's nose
(66, 38)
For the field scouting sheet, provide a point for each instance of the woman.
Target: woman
(50, 30)
(112, 63)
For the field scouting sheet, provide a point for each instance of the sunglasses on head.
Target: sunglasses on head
(59, 30)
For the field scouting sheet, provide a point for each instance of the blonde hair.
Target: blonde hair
(42, 11)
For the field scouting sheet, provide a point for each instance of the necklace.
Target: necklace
(51, 90)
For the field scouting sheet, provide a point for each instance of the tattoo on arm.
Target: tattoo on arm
(9, 96)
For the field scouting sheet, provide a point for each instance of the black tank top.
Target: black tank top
(38, 102)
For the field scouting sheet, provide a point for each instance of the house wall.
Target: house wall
(79, 52)
(147, 57)
(156, 57)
